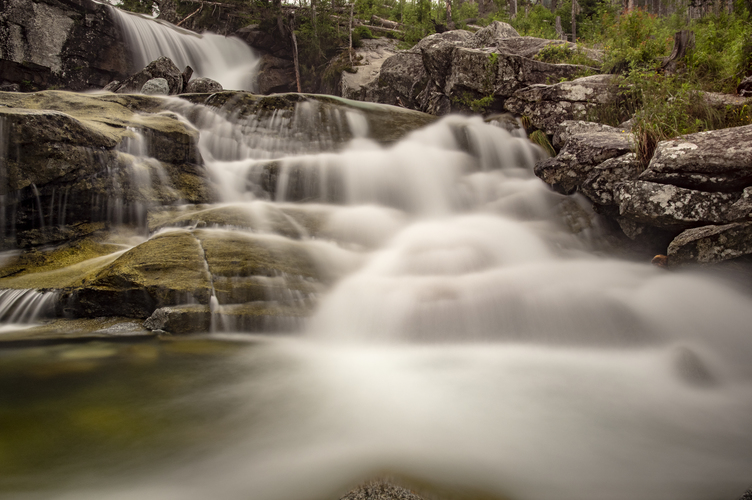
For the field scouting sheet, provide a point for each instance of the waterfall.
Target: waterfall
(475, 333)
(25, 306)
(224, 59)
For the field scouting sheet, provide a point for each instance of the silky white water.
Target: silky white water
(477, 337)
(227, 60)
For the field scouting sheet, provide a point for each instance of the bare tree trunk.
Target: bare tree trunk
(575, 10)
(684, 41)
(559, 29)
(450, 25)
(514, 13)
(295, 53)
(352, 9)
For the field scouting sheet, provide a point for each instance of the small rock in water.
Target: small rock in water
(380, 490)
(156, 86)
(202, 85)
(112, 86)
(10, 87)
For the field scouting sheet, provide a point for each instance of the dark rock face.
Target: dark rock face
(65, 162)
(74, 45)
(745, 87)
(276, 75)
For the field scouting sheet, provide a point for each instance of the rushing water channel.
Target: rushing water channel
(478, 340)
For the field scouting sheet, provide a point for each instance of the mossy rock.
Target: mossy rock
(65, 330)
(167, 269)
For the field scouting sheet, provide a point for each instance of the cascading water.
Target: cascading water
(224, 59)
(476, 339)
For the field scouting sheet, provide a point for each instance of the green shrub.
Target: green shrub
(635, 42)
(562, 53)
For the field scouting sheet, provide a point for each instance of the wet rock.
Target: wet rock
(717, 160)
(77, 329)
(260, 317)
(69, 151)
(380, 67)
(547, 106)
(600, 184)
(672, 207)
(711, 244)
(182, 319)
(156, 86)
(581, 154)
(380, 490)
(203, 85)
(168, 269)
(160, 68)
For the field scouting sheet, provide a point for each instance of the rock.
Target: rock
(179, 267)
(70, 151)
(718, 160)
(156, 86)
(549, 105)
(168, 269)
(112, 86)
(203, 85)
(73, 45)
(744, 89)
(276, 75)
(568, 128)
(160, 68)
(261, 317)
(10, 87)
(380, 489)
(491, 35)
(742, 209)
(370, 58)
(711, 244)
(671, 207)
(400, 81)
(600, 184)
(581, 154)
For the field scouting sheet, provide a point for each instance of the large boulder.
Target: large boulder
(74, 45)
(711, 244)
(600, 184)
(582, 153)
(672, 207)
(548, 106)
(718, 160)
(460, 71)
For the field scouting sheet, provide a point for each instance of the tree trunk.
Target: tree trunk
(684, 41)
(513, 14)
(450, 25)
(295, 54)
(352, 9)
(559, 29)
(575, 9)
